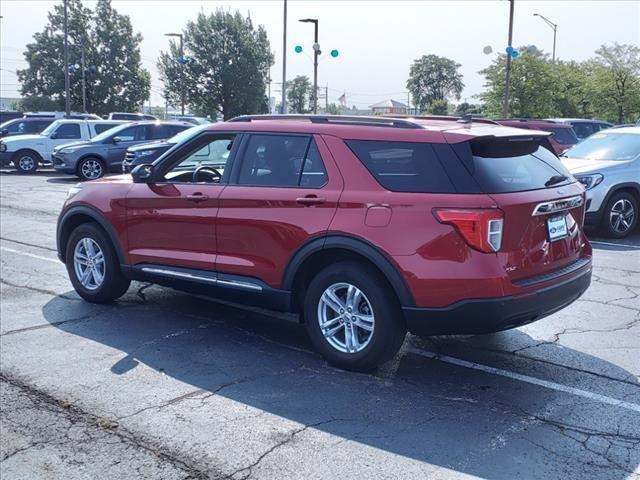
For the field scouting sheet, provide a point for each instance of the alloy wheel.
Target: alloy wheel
(622, 215)
(91, 169)
(346, 318)
(88, 263)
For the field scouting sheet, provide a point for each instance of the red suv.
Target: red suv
(367, 227)
(563, 136)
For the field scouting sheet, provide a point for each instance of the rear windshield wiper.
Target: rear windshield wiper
(555, 180)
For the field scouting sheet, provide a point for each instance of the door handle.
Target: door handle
(197, 197)
(310, 200)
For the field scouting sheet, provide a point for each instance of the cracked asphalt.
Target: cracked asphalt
(165, 385)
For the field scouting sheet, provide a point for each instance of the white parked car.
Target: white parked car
(608, 165)
(26, 152)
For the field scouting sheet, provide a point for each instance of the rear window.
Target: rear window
(515, 165)
(564, 136)
(403, 166)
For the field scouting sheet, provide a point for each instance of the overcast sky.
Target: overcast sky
(377, 41)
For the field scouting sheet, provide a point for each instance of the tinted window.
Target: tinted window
(583, 129)
(68, 130)
(607, 146)
(509, 165)
(130, 134)
(403, 166)
(17, 127)
(282, 161)
(564, 136)
(103, 127)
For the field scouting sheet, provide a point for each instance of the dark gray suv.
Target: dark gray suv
(104, 153)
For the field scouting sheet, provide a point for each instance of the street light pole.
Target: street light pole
(84, 82)
(507, 86)
(182, 95)
(554, 27)
(316, 53)
(67, 100)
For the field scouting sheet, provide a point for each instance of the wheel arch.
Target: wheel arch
(313, 255)
(77, 215)
(29, 150)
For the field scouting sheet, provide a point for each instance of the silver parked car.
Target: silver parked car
(608, 165)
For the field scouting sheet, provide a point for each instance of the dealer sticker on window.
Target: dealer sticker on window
(557, 227)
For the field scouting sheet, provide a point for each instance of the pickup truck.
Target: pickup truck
(27, 152)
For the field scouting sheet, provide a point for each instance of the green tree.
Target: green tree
(434, 78)
(466, 108)
(123, 84)
(114, 77)
(35, 104)
(532, 85)
(332, 109)
(226, 66)
(617, 82)
(299, 93)
(44, 77)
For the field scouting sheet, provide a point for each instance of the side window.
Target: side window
(174, 130)
(131, 134)
(212, 153)
(16, 127)
(102, 127)
(583, 129)
(403, 166)
(282, 161)
(313, 174)
(157, 132)
(68, 131)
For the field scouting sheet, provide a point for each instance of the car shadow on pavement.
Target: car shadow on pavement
(419, 408)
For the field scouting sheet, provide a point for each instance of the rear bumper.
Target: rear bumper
(496, 314)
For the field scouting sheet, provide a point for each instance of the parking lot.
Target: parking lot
(166, 385)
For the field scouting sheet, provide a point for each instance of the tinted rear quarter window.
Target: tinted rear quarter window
(403, 166)
(515, 165)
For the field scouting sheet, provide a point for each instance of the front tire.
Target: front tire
(90, 168)
(353, 317)
(620, 215)
(26, 161)
(92, 265)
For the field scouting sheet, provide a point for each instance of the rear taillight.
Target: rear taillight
(481, 229)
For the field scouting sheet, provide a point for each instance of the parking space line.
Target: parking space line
(611, 244)
(33, 255)
(527, 379)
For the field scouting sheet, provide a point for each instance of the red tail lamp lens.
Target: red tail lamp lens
(481, 229)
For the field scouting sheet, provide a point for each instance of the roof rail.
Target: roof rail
(451, 118)
(336, 119)
(523, 119)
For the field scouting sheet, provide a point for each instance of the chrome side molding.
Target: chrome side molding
(558, 205)
(224, 282)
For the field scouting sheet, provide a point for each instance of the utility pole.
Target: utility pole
(554, 27)
(181, 62)
(283, 106)
(316, 53)
(326, 98)
(84, 82)
(507, 86)
(67, 100)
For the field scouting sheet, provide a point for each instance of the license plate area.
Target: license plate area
(557, 227)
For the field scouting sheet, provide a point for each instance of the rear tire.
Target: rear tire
(93, 266)
(620, 215)
(26, 161)
(368, 324)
